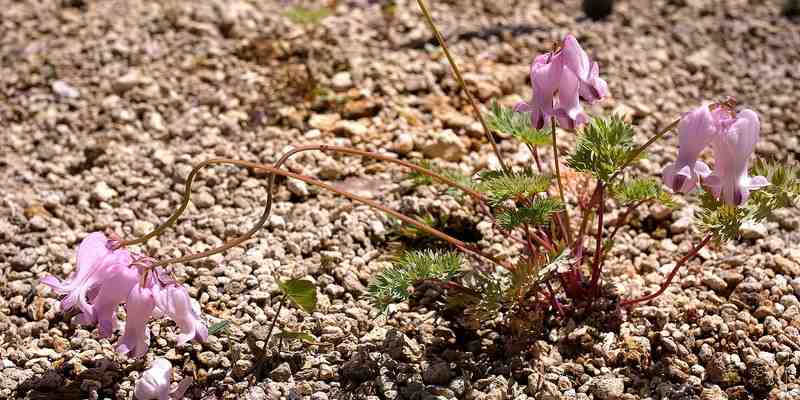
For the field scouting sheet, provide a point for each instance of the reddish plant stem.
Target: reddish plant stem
(597, 266)
(276, 171)
(693, 252)
(554, 300)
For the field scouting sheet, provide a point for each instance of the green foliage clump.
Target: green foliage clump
(505, 120)
(641, 190)
(721, 219)
(603, 148)
(783, 190)
(393, 284)
(500, 186)
(539, 212)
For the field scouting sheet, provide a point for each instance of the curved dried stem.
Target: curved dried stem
(325, 148)
(461, 82)
(277, 171)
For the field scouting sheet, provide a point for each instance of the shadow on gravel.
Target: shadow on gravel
(64, 384)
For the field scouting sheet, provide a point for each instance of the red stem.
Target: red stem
(671, 275)
(597, 266)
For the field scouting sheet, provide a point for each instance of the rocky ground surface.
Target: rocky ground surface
(107, 104)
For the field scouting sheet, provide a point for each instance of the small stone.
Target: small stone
(298, 188)
(445, 145)
(342, 80)
(753, 231)
(208, 358)
(607, 387)
(377, 227)
(361, 108)
(204, 200)
(103, 192)
(403, 143)
(64, 89)
(722, 370)
(155, 122)
(713, 393)
(323, 122)
(715, 282)
(711, 323)
(350, 128)
(281, 373)
(276, 221)
(141, 228)
(398, 346)
(38, 223)
(128, 81)
(786, 266)
(454, 119)
(681, 225)
(436, 374)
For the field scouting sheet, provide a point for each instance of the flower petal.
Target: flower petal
(155, 382)
(139, 306)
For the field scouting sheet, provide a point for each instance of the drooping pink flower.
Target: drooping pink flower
(96, 262)
(733, 145)
(696, 129)
(154, 382)
(175, 302)
(139, 308)
(559, 80)
(113, 292)
(592, 88)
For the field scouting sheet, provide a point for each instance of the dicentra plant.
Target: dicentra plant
(558, 269)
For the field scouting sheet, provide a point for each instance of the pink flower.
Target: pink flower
(559, 80)
(733, 146)
(154, 383)
(136, 338)
(695, 131)
(111, 294)
(174, 301)
(96, 262)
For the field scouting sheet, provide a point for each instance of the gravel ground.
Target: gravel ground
(107, 104)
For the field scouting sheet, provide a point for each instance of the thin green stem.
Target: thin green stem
(461, 82)
(565, 223)
(636, 153)
(272, 325)
(693, 252)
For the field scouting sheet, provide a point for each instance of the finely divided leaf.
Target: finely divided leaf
(538, 213)
(505, 120)
(641, 190)
(393, 283)
(603, 147)
(500, 187)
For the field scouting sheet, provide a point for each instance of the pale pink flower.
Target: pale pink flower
(559, 80)
(155, 381)
(733, 145)
(174, 301)
(96, 262)
(139, 307)
(696, 129)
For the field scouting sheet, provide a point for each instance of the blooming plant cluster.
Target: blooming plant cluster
(555, 271)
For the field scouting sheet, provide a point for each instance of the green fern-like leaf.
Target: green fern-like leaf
(603, 147)
(500, 187)
(641, 190)
(505, 120)
(783, 190)
(393, 283)
(538, 213)
(721, 219)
